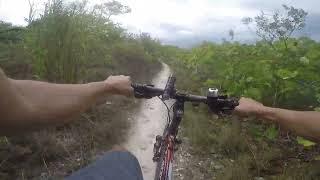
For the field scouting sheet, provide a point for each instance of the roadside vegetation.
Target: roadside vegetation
(280, 70)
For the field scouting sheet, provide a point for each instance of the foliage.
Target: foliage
(11, 46)
(305, 142)
(278, 26)
(10, 33)
(111, 8)
(66, 39)
(69, 37)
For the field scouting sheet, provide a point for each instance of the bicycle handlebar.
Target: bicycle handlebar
(217, 103)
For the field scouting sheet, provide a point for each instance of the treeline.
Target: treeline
(75, 42)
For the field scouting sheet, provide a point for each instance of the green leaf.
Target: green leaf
(305, 142)
(249, 79)
(286, 74)
(304, 60)
(271, 133)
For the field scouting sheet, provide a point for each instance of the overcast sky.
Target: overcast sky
(188, 22)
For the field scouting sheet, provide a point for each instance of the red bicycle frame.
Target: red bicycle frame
(165, 146)
(168, 161)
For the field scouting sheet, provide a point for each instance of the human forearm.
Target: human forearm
(57, 103)
(27, 105)
(303, 123)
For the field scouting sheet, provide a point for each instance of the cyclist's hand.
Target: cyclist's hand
(248, 107)
(120, 85)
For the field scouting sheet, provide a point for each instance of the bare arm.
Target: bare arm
(29, 104)
(303, 123)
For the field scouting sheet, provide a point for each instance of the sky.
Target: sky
(187, 22)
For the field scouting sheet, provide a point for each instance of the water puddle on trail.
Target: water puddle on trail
(148, 122)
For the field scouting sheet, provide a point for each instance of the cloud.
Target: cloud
(188, 22)
(173, 27)
(177, 21)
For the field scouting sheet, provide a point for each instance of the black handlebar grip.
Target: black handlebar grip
(137, 89)
(169, 89)
(146, 91)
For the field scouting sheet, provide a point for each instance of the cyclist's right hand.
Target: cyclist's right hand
(248, 107)
(120, 85)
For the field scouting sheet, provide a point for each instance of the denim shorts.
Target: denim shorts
(115, 165)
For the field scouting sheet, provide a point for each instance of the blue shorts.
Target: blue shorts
(115, 165)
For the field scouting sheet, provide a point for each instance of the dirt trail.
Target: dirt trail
(148, 122)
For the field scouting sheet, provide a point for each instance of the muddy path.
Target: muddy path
(147, 122)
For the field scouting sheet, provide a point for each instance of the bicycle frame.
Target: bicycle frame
(167, 144)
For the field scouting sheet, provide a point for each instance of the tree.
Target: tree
(32, 12)
(276, 29)
(10, 33)
(278, 26)
(111, 8)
